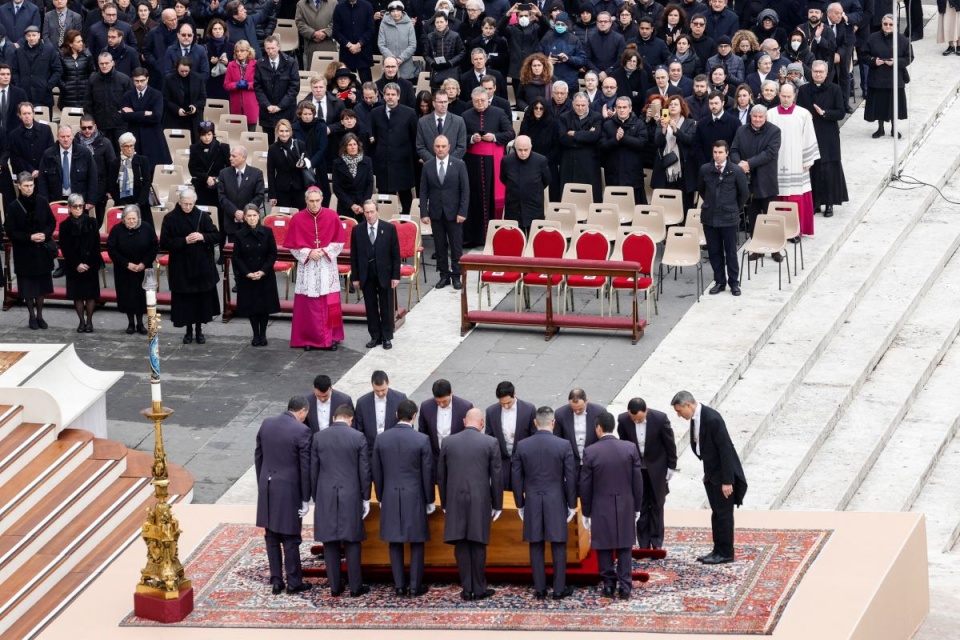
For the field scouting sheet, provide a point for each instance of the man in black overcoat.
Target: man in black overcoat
(83, 179)
(444, 201)
(442, 415)
(276, 83)
(723, 189)
(650, 430)
(622, 140)
(471, 494)
(611, 497)
(576, 421)
(579, 132)
(340, 479)
(237, 186)
(402, 468)
(825, 102)
(509, 420)
(377, 410)
(282, 462)
(545, 492)
(524, 174)
(723, 476)
(375, 270)
(142, 110)
(184, 96)
(716, 125)
(394, 130)
(755, 149)
(322, 402)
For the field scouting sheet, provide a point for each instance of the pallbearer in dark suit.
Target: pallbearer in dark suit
(377, 410)
(471, 494)
(323, 402)
(282, 462)
(444, 199)
(650, 430)
(545, 492)
(576, 420)
(402, 467)
(509, 420)
(442, 415)
(611, 496)
(723, 476)
(340, 478)
(375, 269)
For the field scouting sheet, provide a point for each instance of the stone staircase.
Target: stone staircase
(69, 503)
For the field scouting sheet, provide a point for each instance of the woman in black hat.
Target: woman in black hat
(345, 87)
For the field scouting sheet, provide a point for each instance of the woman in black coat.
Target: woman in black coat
(679, 135)
(77, 66)
(540, 126)
(189, 236)
(133, 248)
(207, 158)
(877, 54)
(313, 140)
(220, 51)
(254, 252)
(30, 225)
(352, 178)
(284, 168)
(632, 79)
(442, 50)
(184, 97)
(133, 177)
(80, 245)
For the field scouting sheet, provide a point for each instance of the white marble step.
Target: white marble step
(939, 500)
(917, 444)
(863, 430)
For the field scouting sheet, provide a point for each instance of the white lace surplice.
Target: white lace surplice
(317, 278)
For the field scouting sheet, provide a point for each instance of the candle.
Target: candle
(151, 298)
(155, 391)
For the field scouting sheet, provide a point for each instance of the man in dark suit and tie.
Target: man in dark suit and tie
(328, 106)
(402, 468)
(323, 402)
(576, 420)
(545, 492)
(282, 463)
(509, 420)
(611, 496)
(377, 410)
(276, 83)
(471, 494)
(444, 198)
(81, 174)
(53, 32)
(441, 121)
(237, 186)
(650, 430)
(375, 270)
(340, 478)
(442, 415)
(142, 111)
(474, 78)
(723, 191)
(723, 476)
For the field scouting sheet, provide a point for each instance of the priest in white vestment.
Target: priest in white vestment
(798, 152)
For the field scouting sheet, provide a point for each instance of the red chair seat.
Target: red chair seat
(343, 269)
(406, 270)
(541, 279)
(164, 260)
(281, 266)
(586, 281)
(645, 282)
(504, 277)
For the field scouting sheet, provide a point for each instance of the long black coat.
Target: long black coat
(721, 464)
(471, 485)
(722, 196)
(493, 426)
(611, 492)
(829, 97)
(131, 246)
(543, 136)
(365, 420)
(282, 462)
(192, 268)
(710, 130)
(104, 98)
(544, 486)
(183, 93)
(37, 71)
(255, 250)
(659, 448)
(352, 190)
(282, 172)
(394, 148)
(761, 149)
(27, 147)
(79, 242)
(687, 143)
(23, 218)
(623, 158)
(147, 128)
(525, 181)
(340, 480)
(579, 161)
(207, 161)
(73, 82)
(278, 88)
(402, 465)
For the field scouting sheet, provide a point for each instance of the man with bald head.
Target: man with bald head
(525, 174)
(67, 168)
(471, 495)
(156, 43)
(237, 186)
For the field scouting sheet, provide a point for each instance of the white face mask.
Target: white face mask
(524, 21)
(795, 46)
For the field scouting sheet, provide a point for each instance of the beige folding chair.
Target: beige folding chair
(769, 236)
(259, 160)
(388, 205)
(694, 220)
(254, 141)
(564, 213)
(282, 211)
(214, 217)
(181, 158)
(166, 179)
(623, 198)
(215, 108)
(233, 125)
(320, 59)
(376, 72)
(649, 218)
(672, 202)
(791, 226)
(423, 81)
(287, 32)
(177, 139)
(682, 249)
(43, 114)
(607, 216)
(579, 194)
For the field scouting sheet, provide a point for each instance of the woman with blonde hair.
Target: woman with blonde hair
(745, 46)
(536, 80)
(239, 83)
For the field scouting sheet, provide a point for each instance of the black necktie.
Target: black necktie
(3, 108)
(693, 440)
(439, 126)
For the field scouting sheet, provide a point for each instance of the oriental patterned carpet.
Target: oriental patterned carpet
(231, 589)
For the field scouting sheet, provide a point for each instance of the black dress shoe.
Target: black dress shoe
(299, 589)
(255, 342)
(142, 330)
(828, 213)
(42, 323)
(540, 595)
(130, 329)
(33, 324)
(735, 289)
(849, 109)
(566, 593)
(950, 51)
(718, 559)
(233, 289)
(419, 591)
(373, 343)
(777, 257)
(466, 596)
(81, 327)
(88, 328)
(623, 595)
(442, 283)
(336, 593)
(387, 344)
(457, 284)
(877, 134)
(401, 593)
(705, 556)
(608, 592)
(483, 596)
(277, 589)
(188, 338)
(201, 339)
(717, 288)
(362, 591)
(263, 341)
(57, 273)
(309, 348)
(332, 347)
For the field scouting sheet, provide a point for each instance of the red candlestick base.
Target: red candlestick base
(162, 610)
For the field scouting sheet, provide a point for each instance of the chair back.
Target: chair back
(254, 141)
(492, 227)
(607, 216)
(60, 212)
(287, 32)
(546, 242)
(536, 227)
(508, 241)
(320, 59)
(408, 234)
(672, 202)
(563, 212)
(113, 217)
(580, 195)
(388, 205)
(768, 235)
(348, 224)
(213, 214)
(279, 225)
(592, 244)
(682, 247)
(214, 108)
(258, 159)
(623, 198)
(695, 221)
(650, 219)
(232, 124)
(639, 247)
(790, 214)
(69, 117)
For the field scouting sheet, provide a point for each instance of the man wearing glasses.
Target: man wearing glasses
(186, 47)
(125, 57)
(702, 44)
(105, 96)
(104, 157)
(604, 46)
(98, 30)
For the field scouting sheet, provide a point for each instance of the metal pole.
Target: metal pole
(895, 170)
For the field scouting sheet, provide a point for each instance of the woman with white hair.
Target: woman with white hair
(188, 235)
(80, 245)
(132, 247)
(133, 178)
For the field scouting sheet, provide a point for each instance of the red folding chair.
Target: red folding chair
(343, 270)
(114, 217)
(545, 242)
(408, 233)
(278, 224)
(508, 242)
(589, 245)
(636, 246)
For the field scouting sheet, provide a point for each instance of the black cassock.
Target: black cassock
(483, 169)
(192, 272)
(826, 175)
(131, 246)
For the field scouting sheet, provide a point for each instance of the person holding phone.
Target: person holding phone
(564, 50)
